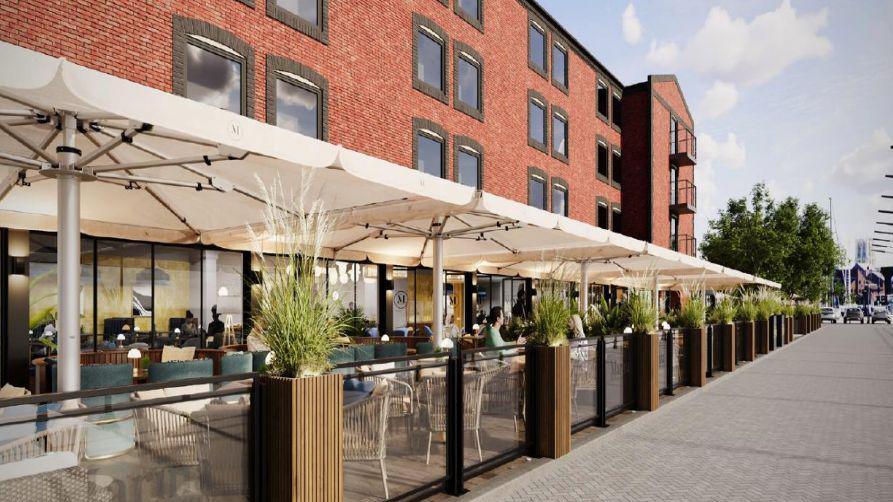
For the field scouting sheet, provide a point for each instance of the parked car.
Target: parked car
(831, 314)
(882, 315)
(854, 314)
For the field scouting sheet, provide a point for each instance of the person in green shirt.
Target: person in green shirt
(492, 337)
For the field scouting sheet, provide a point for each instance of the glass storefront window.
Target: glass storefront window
(342, 277)
(401, 310)
(178, 290)
(420, 300)
(367, 290)
(222, 289)
(124, 290)
(454, 302)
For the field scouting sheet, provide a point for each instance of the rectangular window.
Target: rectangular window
(471, 8)
(674, 184)
(430, 153)
(674, 135)
(429, 66)
(537, 47)
(617, 170)
(559, 65)
(298, 107)
(469, 168)
(536, 121)
(674, 232)
(602, 160)
(602, 215)
(307, 10)
(536, 192)
(617, 111)
(212, 78)
(602, 99)
(559, 134)
(468, 75)
(616, 223)
(559, 199)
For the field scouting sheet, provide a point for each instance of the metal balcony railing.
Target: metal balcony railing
(684, 243)
(683, 147)
(683, 196)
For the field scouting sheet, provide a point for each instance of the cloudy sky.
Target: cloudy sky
(795, 93)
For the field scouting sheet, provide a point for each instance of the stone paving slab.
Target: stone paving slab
(810, 422)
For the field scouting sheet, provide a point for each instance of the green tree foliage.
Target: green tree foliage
(779, 241)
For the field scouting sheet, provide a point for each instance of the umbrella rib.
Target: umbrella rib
(22, 102)
(30, 145)
(161, 162)
(171, 136)
(507, 248)
(357, 241)
(151, 191)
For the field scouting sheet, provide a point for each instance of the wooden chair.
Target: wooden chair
(365, 431)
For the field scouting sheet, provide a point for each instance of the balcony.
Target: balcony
(683, 148)
(685, 244)
(683, 197)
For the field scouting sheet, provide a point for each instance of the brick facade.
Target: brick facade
(365, 56)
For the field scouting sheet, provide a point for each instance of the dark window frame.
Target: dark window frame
(458, 49)
(616, 214)
(674, 134)
(478, 22)
(599, 142)
(462, 143)
(544, 146)
(418, 23)
(558, 113)
(561, 45)
(319, 31)
(419, 125)
(538, 24)
(616, 100)
(535, 172)
(184, 31)
(602, 84)
(603, 202)
(561, 185)
(277, 64)
(616, 154)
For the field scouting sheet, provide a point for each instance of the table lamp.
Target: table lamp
(627, 330)
(385, 339)
(446, 344)
(120, 339)
(665, 325)
(134, 355)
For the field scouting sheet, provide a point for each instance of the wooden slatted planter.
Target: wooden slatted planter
(647, 367)
(726, 332)
(301, 441)
(801, 325)
(748, 332)
(761, 336)
(696, 339)
(789, 328)
(549, 374)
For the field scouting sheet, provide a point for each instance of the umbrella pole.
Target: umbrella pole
(69, 267)
(437, 324)
(656, 303)
(584, 287)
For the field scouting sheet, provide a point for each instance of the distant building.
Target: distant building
(862, 284)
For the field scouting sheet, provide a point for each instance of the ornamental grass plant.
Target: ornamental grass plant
(747, 306)
(767, 304)
(640, 311)
(550, 320)
(723, 312)
(297, 322)
(693, 311)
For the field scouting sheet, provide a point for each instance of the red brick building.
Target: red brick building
(431, 84)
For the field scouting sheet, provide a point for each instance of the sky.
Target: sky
(797, 94)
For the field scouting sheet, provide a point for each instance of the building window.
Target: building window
(468, 161)
(471, 11)
(296, 98)
(602, 160)
(559, 196)
(307, 16)
(537, 121)
(616, 168)
(536, 47)
(429, 53)
(559, 66)
(616, 221)
(674, 135)
(602, 214)
(674, 184)
(559, 134)
(536, 188)
(602, 100)
(674, 232)
(213, 66)
(468, 81)
(617, 110)
(429, 147)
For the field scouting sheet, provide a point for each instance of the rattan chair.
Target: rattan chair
(583, 376)
(436, 405)
(365, 430)
(503, 393)
(68, 439)
(168, 435)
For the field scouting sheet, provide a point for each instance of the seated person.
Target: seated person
(492, 336)
(450, 330)
(189, 327)
(216, 327)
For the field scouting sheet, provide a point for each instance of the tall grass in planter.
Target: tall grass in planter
(691, 318)
(299, 404)
(721, 316)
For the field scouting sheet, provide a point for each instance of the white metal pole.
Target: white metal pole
(69, 271)
(437, 324)
(584, 286)
(656, 303)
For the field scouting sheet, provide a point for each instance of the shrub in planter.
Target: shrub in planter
(299, 404)
(691, 318)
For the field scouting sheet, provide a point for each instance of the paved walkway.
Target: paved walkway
(813, 421)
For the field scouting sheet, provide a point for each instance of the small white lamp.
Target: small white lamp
(665, 325)
(385, 339)
(120, 339)
(223, 291)
(627, 330)
(135, 355)
(446, 344)
(269, 359)
(475, 328)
